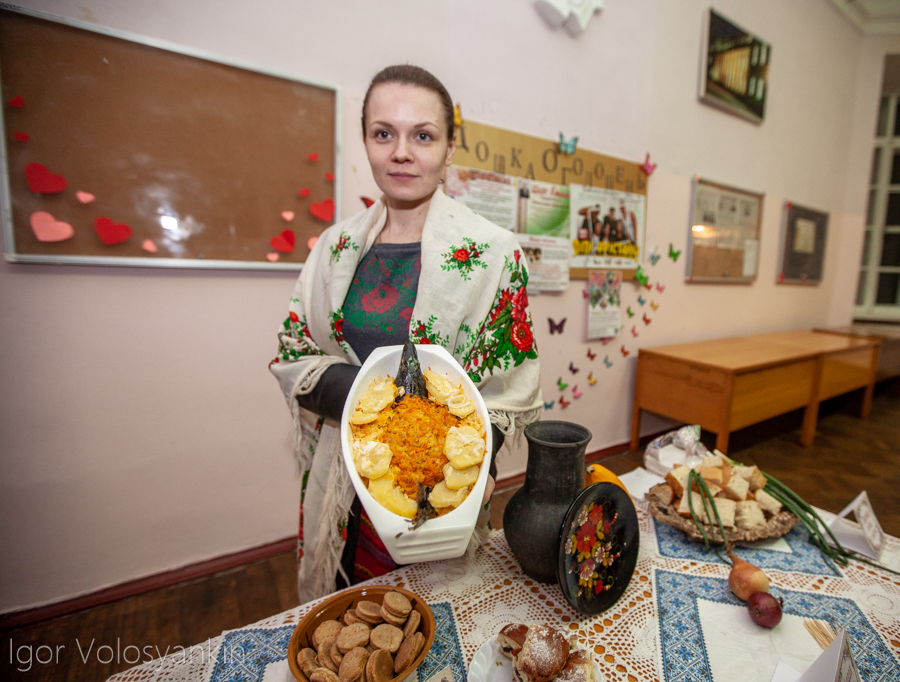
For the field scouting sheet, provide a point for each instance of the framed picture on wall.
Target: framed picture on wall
(723, 241)
(803, 233)
(735, 70)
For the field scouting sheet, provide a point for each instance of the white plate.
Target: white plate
(489, 665)
(447, 536)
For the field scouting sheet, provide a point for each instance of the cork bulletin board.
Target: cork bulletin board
(120, 150)
(498, 150)
(723, 238)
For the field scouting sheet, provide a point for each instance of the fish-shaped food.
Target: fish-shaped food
(409, 379)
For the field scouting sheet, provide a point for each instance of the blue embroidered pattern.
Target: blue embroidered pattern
(244, 654)
(804, 557)
(681, 637)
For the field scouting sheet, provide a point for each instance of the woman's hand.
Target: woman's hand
(488, 491)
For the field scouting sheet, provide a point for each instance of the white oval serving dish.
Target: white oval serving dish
(447, 536)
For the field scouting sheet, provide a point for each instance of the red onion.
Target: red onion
(764, 609)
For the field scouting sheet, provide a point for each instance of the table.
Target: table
(727, 384)
(889, 353)
(676, 620)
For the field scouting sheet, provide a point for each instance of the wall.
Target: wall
(139, 428)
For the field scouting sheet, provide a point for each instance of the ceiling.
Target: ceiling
(872, 17)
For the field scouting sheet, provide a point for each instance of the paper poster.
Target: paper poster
(548, 262)
(543, 209)
(804, 236)
(751, 257)
(491, 195)
(606, 227)
(604, 304)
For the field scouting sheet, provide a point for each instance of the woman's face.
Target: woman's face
(406, 142)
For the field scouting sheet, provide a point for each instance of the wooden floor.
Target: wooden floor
(849, 455)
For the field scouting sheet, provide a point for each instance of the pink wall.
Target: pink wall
(139, 427)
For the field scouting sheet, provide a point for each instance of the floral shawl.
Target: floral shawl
(471, 300)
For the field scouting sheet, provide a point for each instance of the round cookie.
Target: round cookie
(391, 619)
(350, 618)
(397, 604)
(336, 654)
(352, 636)
(323, 658)
(379, 667)
(408, 651)
(324, 675)
(353, 665)
(387, 637)
(412, 623)
(369, 611)
(306, 659)
(326, 631)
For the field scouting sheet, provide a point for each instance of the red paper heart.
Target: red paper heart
(313, 156)
(48, 229)
(323, 211)
(303, 192)
(42, 181)
(21, 137)
(329, 177)
(283, 242)
(111, 233)
(16, 102)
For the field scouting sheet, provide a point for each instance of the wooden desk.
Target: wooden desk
(888, 354)
(727, 384)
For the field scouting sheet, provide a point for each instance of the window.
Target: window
(878, 295)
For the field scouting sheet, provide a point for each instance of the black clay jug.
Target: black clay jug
(553, 478)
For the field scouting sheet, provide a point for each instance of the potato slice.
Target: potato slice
(460, 405)
(464, 447)
(460, 478)
(442, 496)
(363, 417)
(372, 459)
(391, 497)
(380, 393)
(439, 387)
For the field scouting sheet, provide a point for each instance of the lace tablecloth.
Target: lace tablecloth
(676, 621)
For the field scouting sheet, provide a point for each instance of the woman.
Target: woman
(361, 288)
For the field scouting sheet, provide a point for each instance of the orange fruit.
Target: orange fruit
(600, 474)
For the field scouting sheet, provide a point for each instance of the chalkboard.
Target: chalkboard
(120, 150)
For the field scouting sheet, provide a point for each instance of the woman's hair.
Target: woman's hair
(407, 74)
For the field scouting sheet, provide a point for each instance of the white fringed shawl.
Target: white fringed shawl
(471, 300)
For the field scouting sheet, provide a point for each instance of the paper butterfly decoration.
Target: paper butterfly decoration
(654, 305)
(575, 392)
(549, 406)
(629, 311)
(590, 355)
(648, 167)
(654, 258)
(457, 117)
(624, 352)
(567, 147)
(673, 254)
(641, 276)
(557, 327)
(634, 332)
(563, 402)
(646, 319)
(572, 368)
(660, 288)
(642, 300)
(561, 385)
(591, 379)
(607, 361)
